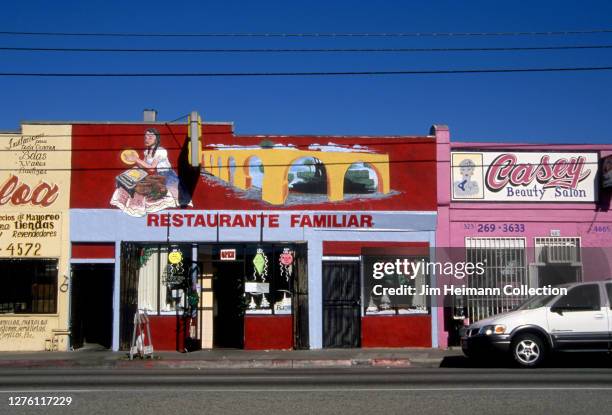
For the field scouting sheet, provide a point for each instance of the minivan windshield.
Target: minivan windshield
(536, 302)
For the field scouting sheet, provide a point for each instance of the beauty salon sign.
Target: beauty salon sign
(524, 176)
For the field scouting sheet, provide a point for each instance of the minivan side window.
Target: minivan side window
(609, 290)
(580, 298)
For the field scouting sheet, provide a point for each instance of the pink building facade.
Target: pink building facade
(536, 215)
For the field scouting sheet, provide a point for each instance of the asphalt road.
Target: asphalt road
(348, 391)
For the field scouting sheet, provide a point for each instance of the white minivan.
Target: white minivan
(581, 321)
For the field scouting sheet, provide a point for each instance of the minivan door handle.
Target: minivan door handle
(599, 316)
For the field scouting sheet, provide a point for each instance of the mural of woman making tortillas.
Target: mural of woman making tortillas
(151, 184)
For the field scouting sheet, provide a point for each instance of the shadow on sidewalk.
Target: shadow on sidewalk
(559, 360)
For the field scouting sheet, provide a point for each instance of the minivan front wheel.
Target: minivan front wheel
(528, 350)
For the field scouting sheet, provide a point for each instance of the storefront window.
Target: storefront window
(283, 279)
(270, 271)
(394, 292)
(28, 286)
(265, 274)
(558, 260)
(159, 275)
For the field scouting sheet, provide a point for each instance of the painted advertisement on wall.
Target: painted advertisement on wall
(524, 176)
(34, 195)
(34, 232)
(142, 169)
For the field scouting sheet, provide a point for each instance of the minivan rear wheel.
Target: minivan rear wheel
(528, 350)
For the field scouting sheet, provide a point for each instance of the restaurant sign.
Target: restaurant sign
(524, 176)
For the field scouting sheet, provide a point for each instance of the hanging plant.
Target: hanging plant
(145, 255)
(193, 299)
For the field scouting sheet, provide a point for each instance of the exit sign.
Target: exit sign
(228, 255)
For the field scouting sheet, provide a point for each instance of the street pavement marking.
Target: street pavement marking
(177, 377)
(321, 390)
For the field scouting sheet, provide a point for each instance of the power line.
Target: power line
(264, 165)
(313, 34)
(364, 147)
(212, 133)
(302, 50)
(289, 74)
(214, 167)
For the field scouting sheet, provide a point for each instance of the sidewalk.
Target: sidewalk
(231, 359)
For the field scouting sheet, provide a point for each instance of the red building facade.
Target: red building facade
(268, 244)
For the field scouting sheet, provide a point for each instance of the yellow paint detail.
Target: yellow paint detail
(134, 174)
(277, 162)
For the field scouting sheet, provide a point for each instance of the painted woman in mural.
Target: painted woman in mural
(156, 159)
(151, 184)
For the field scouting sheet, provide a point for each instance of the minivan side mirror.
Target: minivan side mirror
(557, 309)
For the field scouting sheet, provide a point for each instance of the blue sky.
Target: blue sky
(542, 107)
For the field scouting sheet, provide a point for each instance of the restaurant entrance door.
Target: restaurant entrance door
(228, 307)
(92, 305)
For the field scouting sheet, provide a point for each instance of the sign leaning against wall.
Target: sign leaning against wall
(524, 176)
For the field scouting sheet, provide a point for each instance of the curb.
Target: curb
(208, 364)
